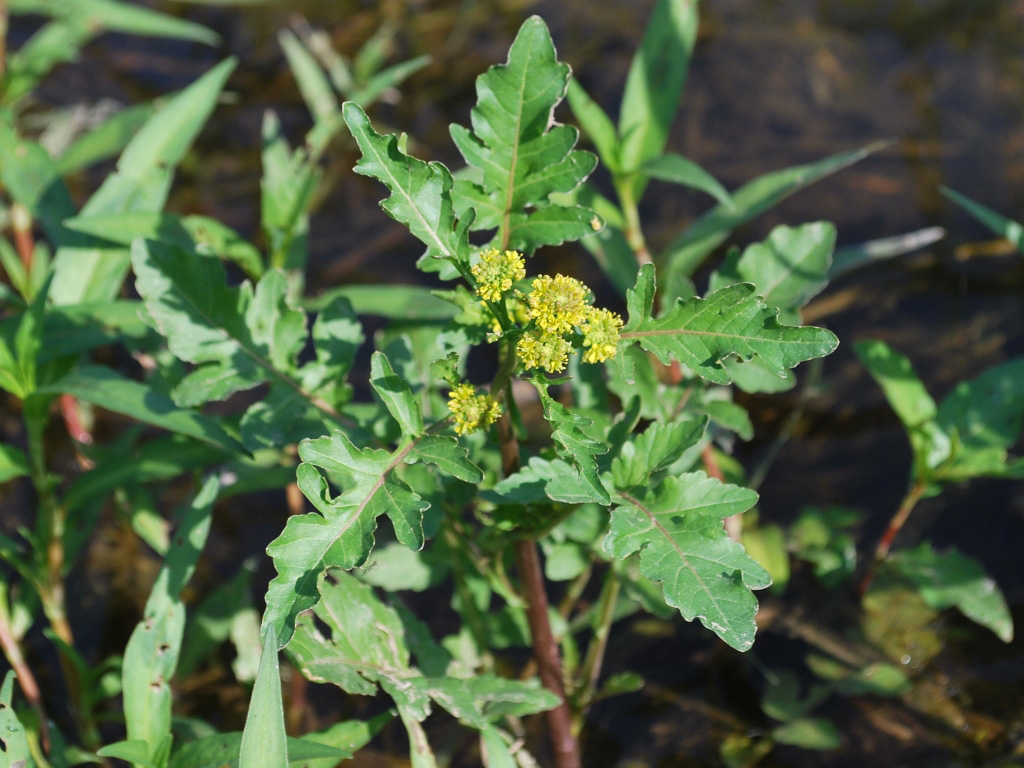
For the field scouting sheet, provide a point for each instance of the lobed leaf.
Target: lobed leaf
(367, 646)
(732, 321)
(420, 192)
(521, 156)
(677, 528)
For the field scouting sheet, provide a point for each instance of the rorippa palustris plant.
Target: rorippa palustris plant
(611, 496)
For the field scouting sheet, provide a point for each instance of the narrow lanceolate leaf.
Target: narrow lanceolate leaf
(521, 155)
(678, 530)
(151, 656)
(1013, 231)
(86, 271)
(264, 743)
(655, 81)
(103, 387)
(366, 647)
(341, 535)
(733, 321)
(688, 250)
(239, 337)
(420, 191)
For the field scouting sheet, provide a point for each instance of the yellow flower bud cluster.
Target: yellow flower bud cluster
(557, 305)
(472, 411)
(496, 272)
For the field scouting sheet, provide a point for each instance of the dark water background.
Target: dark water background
(773, 83)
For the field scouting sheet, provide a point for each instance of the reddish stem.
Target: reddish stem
(545, 649)
(26, 680)
(885, 543)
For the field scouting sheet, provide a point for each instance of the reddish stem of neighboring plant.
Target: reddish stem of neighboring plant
(26, 680)
(885, 543)
(545, 649)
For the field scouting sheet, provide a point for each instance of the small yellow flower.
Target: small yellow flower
(543, 350)
(496, 272)
(558, 303)
(472, 411)
(600, 335)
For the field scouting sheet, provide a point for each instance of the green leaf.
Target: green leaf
(113, 16)
(397, 302)
(700, 333)
(264, 743)
(449, 455)
(30, 176)
(156, 460)
(523, 157)
(104, 140)
(13, 463)
(895, 374)
(395, 393)
(677, 528)
(951, 579)
(133, 751)
(85, 272)
(348, 735)
(286, 193)
(596, 124)
(789, 268)
(221, 750)
(688, 250)
(56, 43)
(315, 88)
(655, 82)
(103, 387)
(658, 447)
(366, 647)
(1002, 226)
(986, 414)
(239, 337)
(676, 169)
(808, 733)
(198, 233)
(420, 192)
(16, 752)
(543, 479)
(575, 446)
(342, 535)
(152, 652)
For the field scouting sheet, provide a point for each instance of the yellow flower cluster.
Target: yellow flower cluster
(557, 305)
(600, 335)
(496, 272)
(472, 411)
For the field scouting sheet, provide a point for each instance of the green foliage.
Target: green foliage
(610, 470)
(520, 159)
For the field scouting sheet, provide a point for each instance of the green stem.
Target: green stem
(474, 619)
(598, 644)
(51, 522)
(634, 233)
